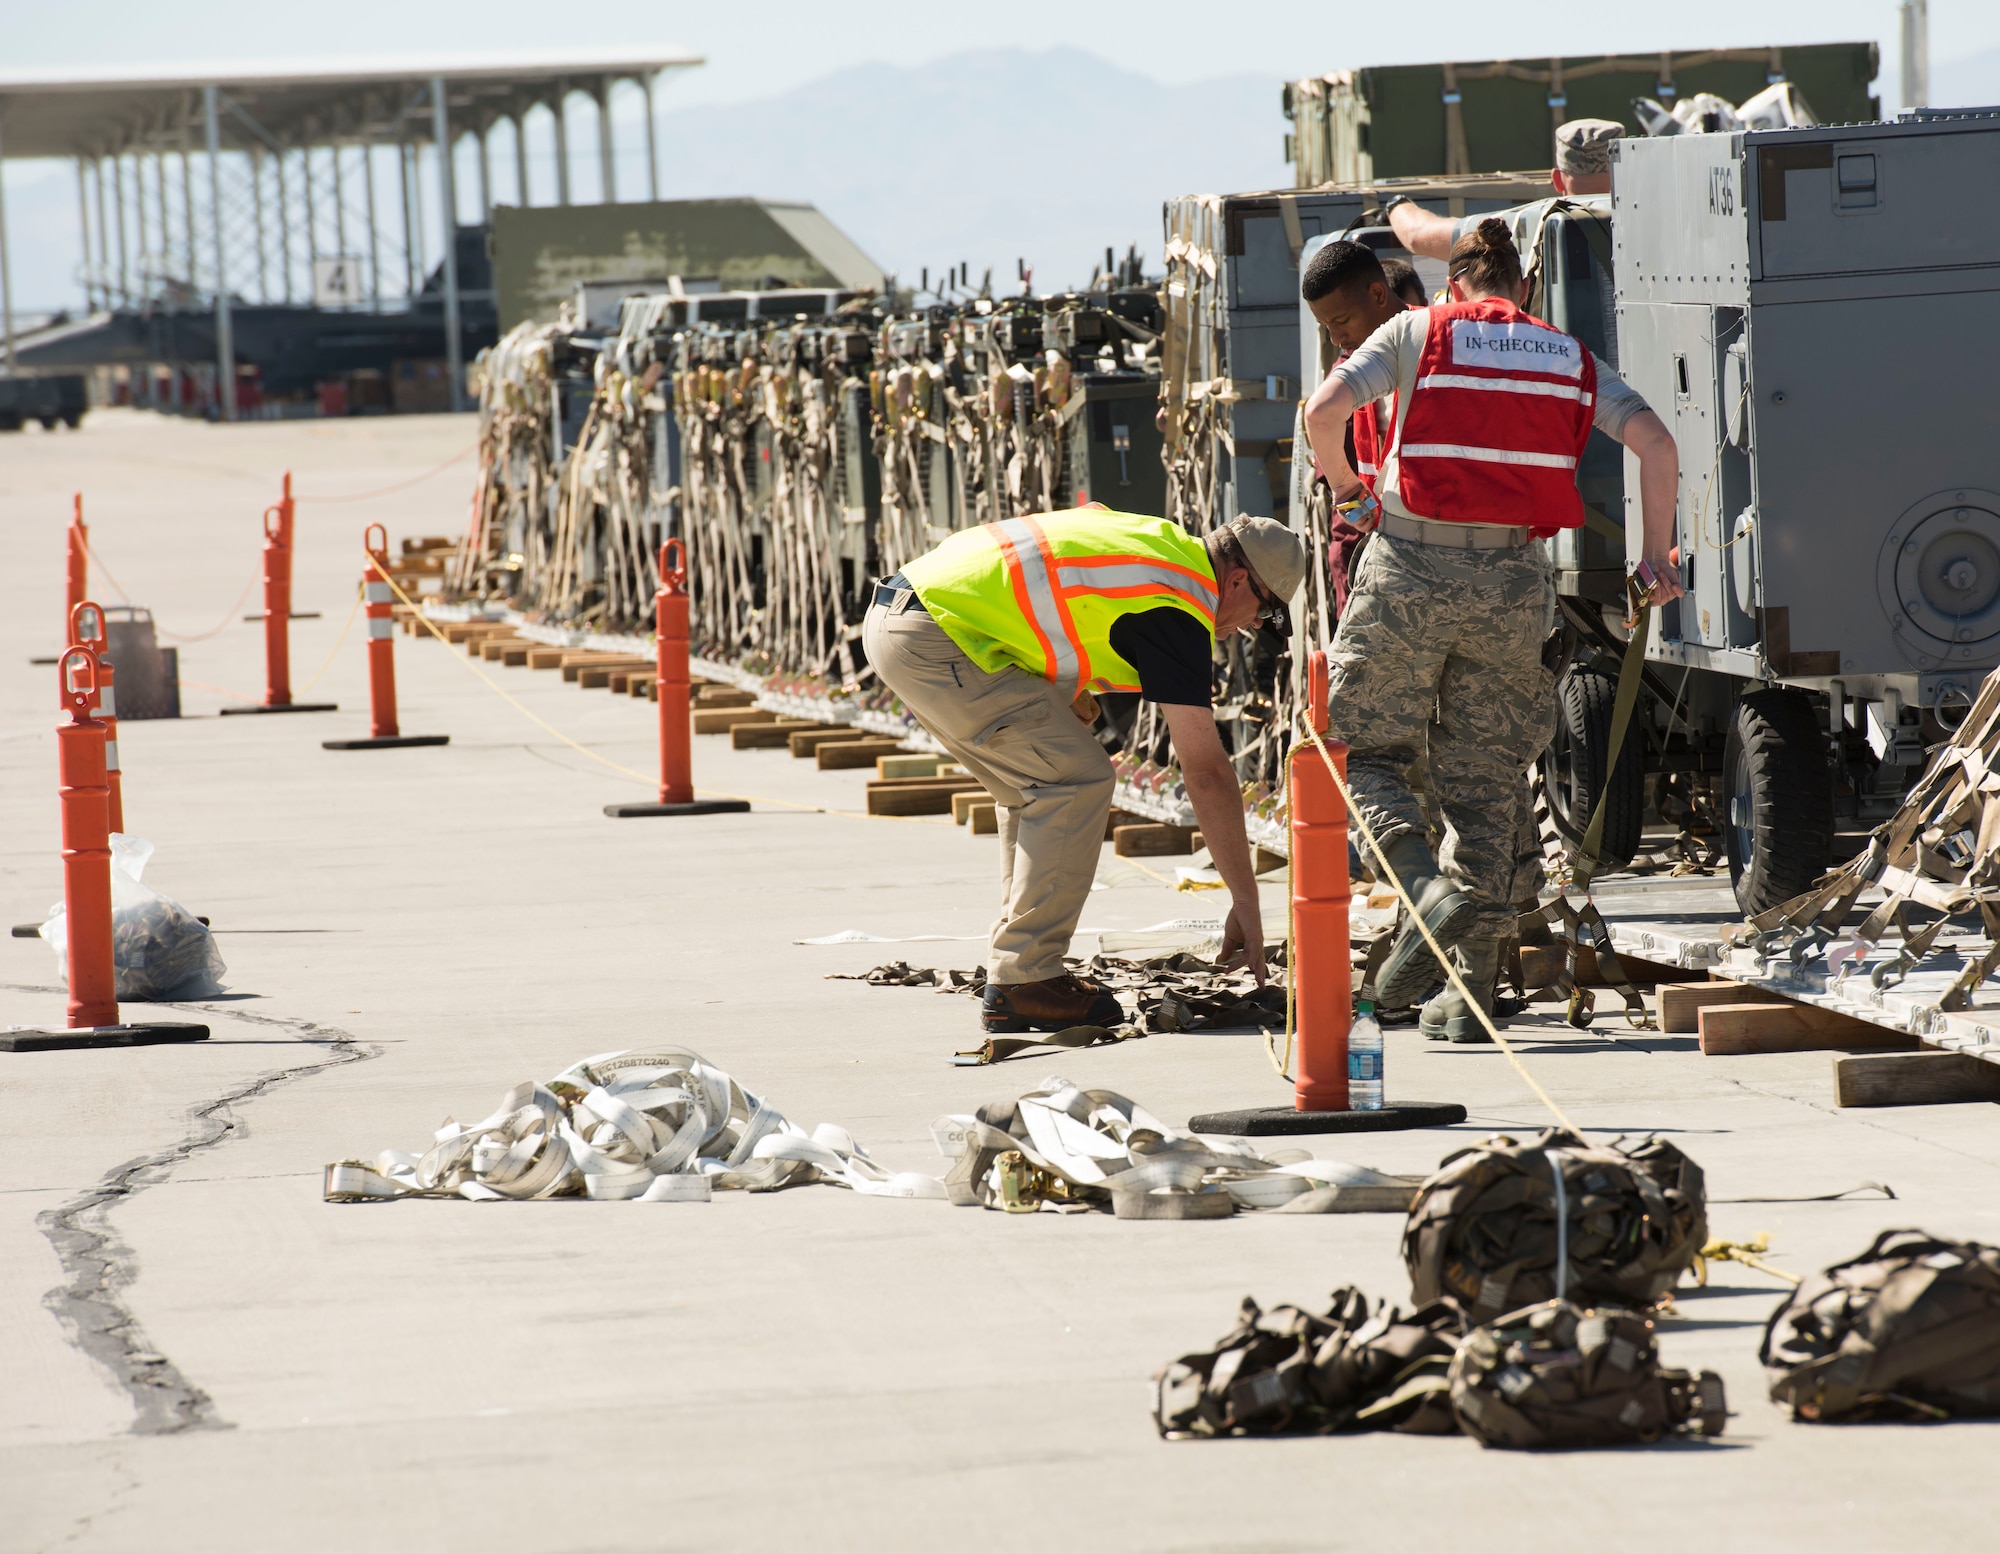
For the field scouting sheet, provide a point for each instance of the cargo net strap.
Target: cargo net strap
(1939, 851)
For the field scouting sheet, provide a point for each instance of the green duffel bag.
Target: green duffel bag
(1558, 1374)
(1356, 1366)
(1503, 1225)
(1910, 1329)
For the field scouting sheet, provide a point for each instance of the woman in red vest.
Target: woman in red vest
(1439, 652)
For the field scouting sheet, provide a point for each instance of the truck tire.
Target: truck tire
(1778, 828)
(1572, 768)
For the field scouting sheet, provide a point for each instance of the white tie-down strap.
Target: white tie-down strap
(1066, 1149)
(659, 1126)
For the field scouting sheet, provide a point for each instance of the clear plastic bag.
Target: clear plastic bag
(159, 949)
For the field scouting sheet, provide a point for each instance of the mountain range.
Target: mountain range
(987, 158)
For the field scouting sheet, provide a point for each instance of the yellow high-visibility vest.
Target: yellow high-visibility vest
(1044, 592)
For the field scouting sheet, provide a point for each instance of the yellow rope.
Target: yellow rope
(353, 611)
(651, 782)
(1444, 960)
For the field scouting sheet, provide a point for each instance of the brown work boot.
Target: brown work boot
(1053, 1005)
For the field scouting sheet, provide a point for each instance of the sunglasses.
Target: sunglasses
(1272, 610)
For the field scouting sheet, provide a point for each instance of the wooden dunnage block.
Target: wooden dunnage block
(597, 677)
(1731, 1030)
(848, 754)
(907, 765)
(1913, 1079)
(546, 657)
(807, 741)
(723, 696)
(1679, 1004)
(1152, 841)
(721, 720)
(917, 796)
(983, 819)
(764, 736)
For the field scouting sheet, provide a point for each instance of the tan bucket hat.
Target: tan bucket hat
(1276, 555)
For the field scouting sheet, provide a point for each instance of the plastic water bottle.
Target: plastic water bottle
(1364, 1060)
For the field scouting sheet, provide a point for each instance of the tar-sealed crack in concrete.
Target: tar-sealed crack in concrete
(101, 1266)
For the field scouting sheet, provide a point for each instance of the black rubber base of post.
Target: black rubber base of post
(391, 742)
(146, 1033)
(297, 706)
(698, 807)
(1263, 1121)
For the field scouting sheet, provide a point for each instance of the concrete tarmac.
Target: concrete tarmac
(203, 1355)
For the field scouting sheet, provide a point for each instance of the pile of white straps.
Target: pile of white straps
(1102, 1145)
(665, 1126)
(655, 1127)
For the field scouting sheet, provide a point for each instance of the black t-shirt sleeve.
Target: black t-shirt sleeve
(1173, 653)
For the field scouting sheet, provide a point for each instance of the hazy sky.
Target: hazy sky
(755, 53)
(752, 50)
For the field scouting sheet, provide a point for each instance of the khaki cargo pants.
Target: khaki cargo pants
(1050, 777)
(1439, 655)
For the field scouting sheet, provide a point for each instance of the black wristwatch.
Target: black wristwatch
(1393, 201)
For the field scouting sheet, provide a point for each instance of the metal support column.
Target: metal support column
(139, 209)
(339, 208)
(652, 142)
(166, 227)
(521, 160)
(485, 172)
(83, 225)
(225, 342)
(103, 233)
(413, 219)
(6, 275)
(607, 160)
(312, 217)
(448, 201)
(374, 231)
(257, 217)
(124, 252)
(562, 145)
(187, 213)
(284, 226)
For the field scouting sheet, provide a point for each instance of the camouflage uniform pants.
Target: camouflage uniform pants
(1439, 656)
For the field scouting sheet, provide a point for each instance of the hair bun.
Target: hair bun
(1493, 233)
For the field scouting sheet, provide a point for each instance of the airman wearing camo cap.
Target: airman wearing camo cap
(1583, 149)
(1582, 172)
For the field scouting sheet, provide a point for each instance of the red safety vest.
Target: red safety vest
(1369, 442)
(1499, 416)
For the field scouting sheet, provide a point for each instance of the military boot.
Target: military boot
(1448, 1017)
(1410, 970)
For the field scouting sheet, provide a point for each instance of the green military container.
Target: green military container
(1414, 121)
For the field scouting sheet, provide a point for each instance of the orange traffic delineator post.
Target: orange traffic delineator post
(1320, 967)
(278, 613)
(78, 565)
(86, 626)
(377, 596)
(86, 839)
(676, 753)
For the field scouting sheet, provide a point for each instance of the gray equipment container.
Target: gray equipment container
(1812, 311)
(1114, 444)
